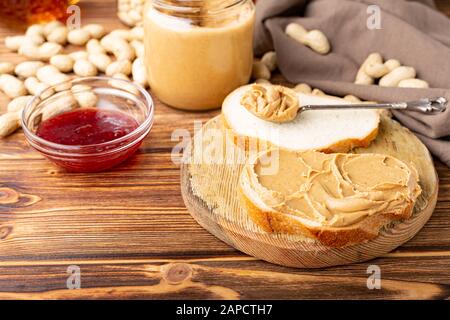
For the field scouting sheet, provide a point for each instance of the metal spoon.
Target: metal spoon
(427, 105)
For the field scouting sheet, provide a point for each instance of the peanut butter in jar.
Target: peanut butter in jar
(198, 51)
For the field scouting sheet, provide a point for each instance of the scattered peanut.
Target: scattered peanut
(130, 12)
(390, 73)
(138, 47)
(315, 39)
(270, 60)
(58, 35)
(51, 26)
(78, 37)
(35, 33)
(84, 95)
(17, 104)
(376, 70)
(100, 60)
(51, 76)
(29, 50)
(123, 34)
(391, 64)
(135, 15)
(296, 31)
(125, 18)
(60, 80)
(43, 52)
(96, 31)
(413, 83)
(393, 78)
(138, 33)
(93, 46)
(362, 77)
(84, 68)
(12, 86)
(119, 47)
(119, 66)
(303, 88)
(79, 55)
(374, 66)
(28, 68)
(62, 62)
(13, 43)
(260, 71)
(9, 122)
(46, 71)
(6, 67)
(139, 73)
(36, 88)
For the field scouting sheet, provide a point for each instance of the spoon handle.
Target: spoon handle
(427, 105)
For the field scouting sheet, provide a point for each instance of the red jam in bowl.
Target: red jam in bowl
(86, 127)
(91, 127)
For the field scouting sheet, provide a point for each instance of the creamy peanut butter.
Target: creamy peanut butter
(272, 103)
(197, 52)
(336, 190)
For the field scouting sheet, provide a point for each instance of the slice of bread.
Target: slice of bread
(338, 199)
(321, 130)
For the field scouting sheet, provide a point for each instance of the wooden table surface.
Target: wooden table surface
(131, 236)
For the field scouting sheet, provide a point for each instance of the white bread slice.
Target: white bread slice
(322, 130)
(291, 199)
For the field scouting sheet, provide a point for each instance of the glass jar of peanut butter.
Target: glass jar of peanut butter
(198, 51)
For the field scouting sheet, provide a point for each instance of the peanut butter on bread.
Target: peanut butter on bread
(338, 199)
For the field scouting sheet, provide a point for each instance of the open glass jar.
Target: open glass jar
(198, 51)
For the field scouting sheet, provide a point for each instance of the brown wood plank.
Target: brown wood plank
(224, 279)
(121, 226)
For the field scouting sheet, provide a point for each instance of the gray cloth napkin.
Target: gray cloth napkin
(413, 32)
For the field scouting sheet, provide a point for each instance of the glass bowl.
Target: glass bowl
(112, 95)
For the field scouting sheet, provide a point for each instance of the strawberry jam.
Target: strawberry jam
(86, 127)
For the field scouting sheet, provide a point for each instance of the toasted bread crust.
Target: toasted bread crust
(260, 144)
(364, 231)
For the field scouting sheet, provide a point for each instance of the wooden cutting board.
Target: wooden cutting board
(211, 195)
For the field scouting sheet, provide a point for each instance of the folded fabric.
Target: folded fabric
(413, 32)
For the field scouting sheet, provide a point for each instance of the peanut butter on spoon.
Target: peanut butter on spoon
(271, 103)
(279, 104)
